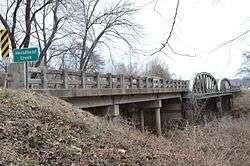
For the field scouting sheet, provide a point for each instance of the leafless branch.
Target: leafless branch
(177, 53)
(171, 30)
(239, 36)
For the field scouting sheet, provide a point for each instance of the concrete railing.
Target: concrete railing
(43, 78)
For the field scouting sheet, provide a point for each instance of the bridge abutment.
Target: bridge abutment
(17, 75)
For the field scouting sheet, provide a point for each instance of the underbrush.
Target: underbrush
(242, 103)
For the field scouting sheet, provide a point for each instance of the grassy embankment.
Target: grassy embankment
(36, 129)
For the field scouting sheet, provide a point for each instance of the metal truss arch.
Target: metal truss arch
(204, 83)
(225, 85)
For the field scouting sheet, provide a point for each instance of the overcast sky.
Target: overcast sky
(201, 26)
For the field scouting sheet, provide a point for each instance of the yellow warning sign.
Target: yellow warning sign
(4, 42)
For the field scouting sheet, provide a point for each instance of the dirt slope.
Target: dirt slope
(42, 130)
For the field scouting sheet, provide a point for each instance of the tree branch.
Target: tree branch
(171, 30)
(230, 41)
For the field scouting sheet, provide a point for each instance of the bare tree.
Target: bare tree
(158, 69)
(130, 69)
(17, 14)
(97, 25)
(47, 26)
(96, 63)
(245, 66)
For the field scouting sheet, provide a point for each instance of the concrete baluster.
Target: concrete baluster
(98, 80)
(83, 79)
(110, 81)
(131, 82)
(151, 83)
(44, 78)
(65, 78)
(167, 83)
(122, 81)
(164, 84)
(139, 82)
(147, 82)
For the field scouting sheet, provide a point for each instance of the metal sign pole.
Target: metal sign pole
(6, 63)
(26, 75)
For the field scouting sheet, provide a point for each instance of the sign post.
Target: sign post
(25, 55)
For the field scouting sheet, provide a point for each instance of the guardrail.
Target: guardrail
(43, 78)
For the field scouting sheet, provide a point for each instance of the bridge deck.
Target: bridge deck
(209, 95)
(107, 92)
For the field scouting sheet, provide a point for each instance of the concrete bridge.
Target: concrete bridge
(107, 93)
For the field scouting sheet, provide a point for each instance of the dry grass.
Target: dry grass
(36, 129)
(242, 102)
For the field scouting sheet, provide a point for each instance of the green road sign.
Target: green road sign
(25, 55)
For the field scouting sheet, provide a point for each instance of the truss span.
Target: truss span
(225, 85)
(204, 83)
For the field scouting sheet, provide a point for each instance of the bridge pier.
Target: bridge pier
(231, 103)
(142, 120)
(219, 106)
(158, 121)
(112, 111)
(153, 105)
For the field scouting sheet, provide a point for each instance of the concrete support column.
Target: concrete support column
(156, 106)
(158, 121)
(122, 81)
(219, 106)
(115, 110)
(231, 104)
(44, 78)
(142, 121)
(111, 111)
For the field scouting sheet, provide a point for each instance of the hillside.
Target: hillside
(43, 130)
